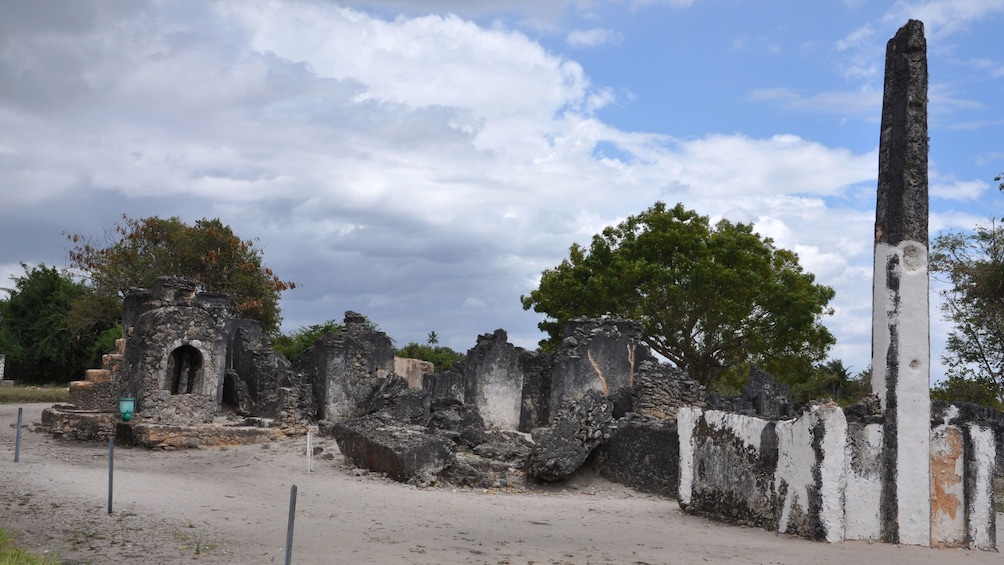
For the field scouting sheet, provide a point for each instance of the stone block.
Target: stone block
(580, 426)
(404, 453)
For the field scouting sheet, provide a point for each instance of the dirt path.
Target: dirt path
(231, 506)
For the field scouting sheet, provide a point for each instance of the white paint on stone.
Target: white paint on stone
(905, 311)
(795, 460)
(746, 428)
(686, 420)
(797, 465)
(863, 483)
(833, 481)
(981, 511)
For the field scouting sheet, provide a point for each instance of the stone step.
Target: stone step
(112, 361)
(120, 345)
(98, 375)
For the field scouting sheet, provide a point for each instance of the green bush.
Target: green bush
(442, 358)
(302, 339)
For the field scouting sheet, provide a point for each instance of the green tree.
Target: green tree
(972, 265)
(433, 338)
(442, 358)
(35, 335)
(303, 338)
(138, 251)
(712, 299)
(834, 381)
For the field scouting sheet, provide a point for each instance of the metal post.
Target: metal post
(310, 452)
(17, 436)
(289, 528)
(111, 470)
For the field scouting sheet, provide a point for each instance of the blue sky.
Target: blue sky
(422, 161)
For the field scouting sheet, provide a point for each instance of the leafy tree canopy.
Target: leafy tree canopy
(138, 251)
(972, 263)
(712, 299)
(36, 337)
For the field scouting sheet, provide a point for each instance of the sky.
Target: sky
(423, 161)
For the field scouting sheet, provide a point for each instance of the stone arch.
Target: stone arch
(185, 370)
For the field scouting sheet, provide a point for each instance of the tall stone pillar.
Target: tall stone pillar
(901, 349)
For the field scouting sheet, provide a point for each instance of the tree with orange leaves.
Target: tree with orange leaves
(137, 251)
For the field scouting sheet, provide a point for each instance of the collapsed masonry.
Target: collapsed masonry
(201, 377)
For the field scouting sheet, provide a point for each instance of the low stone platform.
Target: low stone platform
(209, 435)
(67, 421)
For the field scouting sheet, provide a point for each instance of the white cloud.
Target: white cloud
(944, 17)
(865, 101)
(591, 37)
(415, 169)
(959, 190)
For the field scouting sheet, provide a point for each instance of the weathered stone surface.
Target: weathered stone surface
(493, 378)
(395, 399)
(642, 453)
(598, 355)
(459, 422)
(176, 353)
(70, 423)
(403, 452)
(259, 382)
(348, 367)
(559, 450)
(660, 390)
(536, 396)
(490, 377)
(447, 384)
(167, 435)
(413, 370)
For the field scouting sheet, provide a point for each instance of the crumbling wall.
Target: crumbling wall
(821, 475)
(348, 366)
(261, 383)
(963, 464)
(778, 475)
(863, 470)
(493, 379)
(660, 390)
(536, 396)
(597, 355)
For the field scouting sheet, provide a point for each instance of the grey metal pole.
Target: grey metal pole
(17, 436)
(289, 528)
(111, 470)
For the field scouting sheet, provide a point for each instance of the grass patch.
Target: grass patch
(10, 555)
(18, 394)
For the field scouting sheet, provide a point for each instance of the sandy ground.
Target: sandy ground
(231, 505)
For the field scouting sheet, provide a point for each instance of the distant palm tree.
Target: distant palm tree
(433, 338)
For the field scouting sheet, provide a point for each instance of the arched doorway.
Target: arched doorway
(184, 370)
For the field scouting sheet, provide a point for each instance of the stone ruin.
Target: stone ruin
(891, 468)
